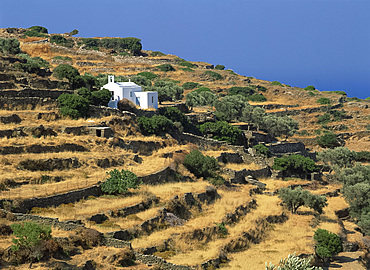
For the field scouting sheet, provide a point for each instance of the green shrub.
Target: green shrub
(212, 75)
(294, 164)
(202, 89)
(328, 140)
(74, 32)
(70, 73)
(73, 105)
(9, 45)
(200, 165)
(29, 234)
(327, 244)
(157, 53)
(175, 115)
(39, 29)
(190, 85)
(354, 99)
(323, 100)
(310, 88)
(166, 67)
(220, 67)
(312, 94)
(157, 124)
(185, 63)
(101, 97)
(262, 150)
(57, 39)
(276, 83)
(257, 98)
(221, 131)
(323, 119)
(33, 64)
(244, 91)
(295, 198)
(187, 69)
(230, 108)
(149, 75)
(119, 182)
(340, 93)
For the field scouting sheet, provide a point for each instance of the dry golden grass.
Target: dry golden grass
(267, 205)
(272, 184)
(295, 235)
(241, 166)
(36, 49)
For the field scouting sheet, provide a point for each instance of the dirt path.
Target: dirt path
(347, 261)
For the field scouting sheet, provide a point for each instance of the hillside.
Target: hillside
(52, 167)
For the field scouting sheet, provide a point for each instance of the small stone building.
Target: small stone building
(132, 92)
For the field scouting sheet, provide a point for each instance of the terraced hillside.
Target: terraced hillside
(52, 167)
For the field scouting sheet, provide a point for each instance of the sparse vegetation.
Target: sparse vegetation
(149, 75)
(166, 67)
(276, 83)
(190, 85)
(323, 101)
(328, 140)
(119, 182)
(73, 105)
(212, 75)
(120, 45)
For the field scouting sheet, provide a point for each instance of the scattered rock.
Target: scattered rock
(343, 213)
(99, 218)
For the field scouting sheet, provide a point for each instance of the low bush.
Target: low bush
(340, 93)
(323, 101)
(176, 116)
(33, 64)
(149, 75)
(190, 85)
(257, 98)
(200, 97)
(327, 244)
(328, 140)
(185, 63)
(57, 39)
(244, 91)
(310, 88)
(221, 131)
(155, 125)
(276, 83)
(119, 182)
(200, 165)
(29, 234)
(9, 45)
(363, 156)
(39, 29)
(212, 75)
(220, 67)
(157, 53)
(73, 105)
(294, 164)
(166, 67)
(262, 150)
(121, 45)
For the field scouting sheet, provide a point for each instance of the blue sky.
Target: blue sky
(297, 42)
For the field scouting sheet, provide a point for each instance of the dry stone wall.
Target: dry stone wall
(26, 205)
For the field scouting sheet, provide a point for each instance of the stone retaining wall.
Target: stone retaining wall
(239, 176)
(25, 103)
(53, 94)
(37, 148)
(26, 205)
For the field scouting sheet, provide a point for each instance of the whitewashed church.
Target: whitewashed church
(132, 92)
